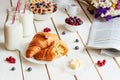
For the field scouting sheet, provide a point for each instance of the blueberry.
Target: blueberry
(77, 40)
(63, 33)
(76, 47)
(80, 22)
(75, 17)
(29, 69)
(13, 68)
(38, 5)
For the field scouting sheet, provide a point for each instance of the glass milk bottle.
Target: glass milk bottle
(11, 12)
(13, 34)
(27, 22)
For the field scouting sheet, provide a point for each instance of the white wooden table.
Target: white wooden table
(88, 70)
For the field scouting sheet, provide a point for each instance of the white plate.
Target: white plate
(23, 49)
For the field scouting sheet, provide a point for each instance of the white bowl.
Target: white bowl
(42, 17)
(72, 28)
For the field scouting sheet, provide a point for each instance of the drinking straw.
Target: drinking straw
(17, 8)
(25, 6)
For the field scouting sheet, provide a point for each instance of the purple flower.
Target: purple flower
(97, 15)
(108, 17)
(101, 10)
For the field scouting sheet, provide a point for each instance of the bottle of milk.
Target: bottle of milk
(13, 34)
(27, 22)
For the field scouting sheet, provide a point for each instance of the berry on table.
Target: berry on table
(76, 40)
(11, 59)
(29, 69)
(63, 33)
(46, 29)
(104, 62)
(101, 63)
(12, 69)
(76, 47)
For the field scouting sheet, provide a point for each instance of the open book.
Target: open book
(105, 35)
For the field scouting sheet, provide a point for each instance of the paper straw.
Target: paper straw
(17, 8)
(25, 6)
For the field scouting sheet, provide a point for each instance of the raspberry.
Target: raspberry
(101, 63)
(7, 59)
(47, 29)
(104, 62)
(11, 59)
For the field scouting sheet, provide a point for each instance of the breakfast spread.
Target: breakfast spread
(42, 7)
(46, 46)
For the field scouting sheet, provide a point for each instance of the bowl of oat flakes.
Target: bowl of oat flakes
(43, 10)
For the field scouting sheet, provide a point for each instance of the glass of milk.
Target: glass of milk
(13, 34)
(27, 22)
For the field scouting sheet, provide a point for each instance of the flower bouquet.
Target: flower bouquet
(107, 9)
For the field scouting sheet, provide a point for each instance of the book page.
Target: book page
(105, 34)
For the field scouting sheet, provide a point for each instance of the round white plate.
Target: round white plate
(23, 49)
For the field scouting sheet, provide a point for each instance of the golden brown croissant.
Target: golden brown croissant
(40, 41)
(50, 53)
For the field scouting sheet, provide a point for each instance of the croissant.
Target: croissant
(40, 41)
(50, 53)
